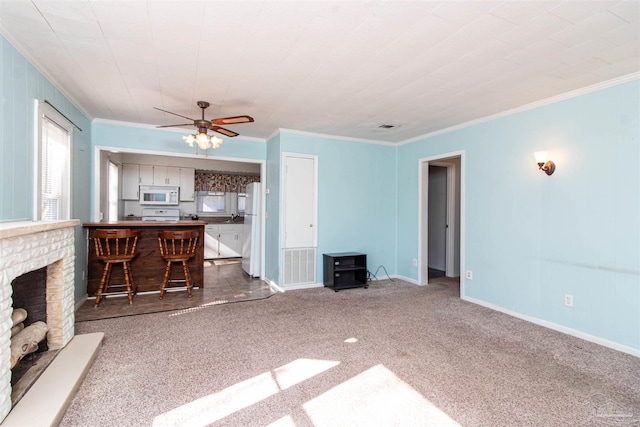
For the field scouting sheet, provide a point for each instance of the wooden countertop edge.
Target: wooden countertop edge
(155, 224)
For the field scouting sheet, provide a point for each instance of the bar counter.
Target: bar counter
(148, 267)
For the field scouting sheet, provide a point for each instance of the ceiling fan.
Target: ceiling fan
(204, 125)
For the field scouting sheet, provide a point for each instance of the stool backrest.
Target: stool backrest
(115, 243)
(178, 243)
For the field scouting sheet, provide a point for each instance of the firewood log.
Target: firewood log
(18, 315)
(17, 328)
(26, 341)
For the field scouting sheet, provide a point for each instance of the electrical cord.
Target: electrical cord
(373, 275)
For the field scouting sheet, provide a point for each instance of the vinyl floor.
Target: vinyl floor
(223, 284)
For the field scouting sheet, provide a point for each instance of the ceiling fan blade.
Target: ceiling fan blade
(170, 126)
(224, 131)
(175, 114)
(232, 120)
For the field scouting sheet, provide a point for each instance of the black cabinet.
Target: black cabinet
(345, 270)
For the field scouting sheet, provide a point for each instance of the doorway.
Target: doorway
(437, 221)
(441, 218)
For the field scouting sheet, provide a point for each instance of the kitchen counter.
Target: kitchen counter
(206, 219)
(148, 267)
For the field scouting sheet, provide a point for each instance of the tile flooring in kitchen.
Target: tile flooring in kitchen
(224, 283)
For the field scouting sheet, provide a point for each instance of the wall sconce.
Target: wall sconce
(543, 164)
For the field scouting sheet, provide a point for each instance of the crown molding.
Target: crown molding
(548, 101)
(335, 137)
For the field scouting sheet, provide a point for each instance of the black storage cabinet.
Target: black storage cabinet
(345, 270)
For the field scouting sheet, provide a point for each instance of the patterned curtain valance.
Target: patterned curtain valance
(220, 181)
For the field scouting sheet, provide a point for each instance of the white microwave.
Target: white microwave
(159, 195)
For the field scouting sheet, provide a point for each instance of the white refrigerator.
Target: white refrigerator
(251, 241)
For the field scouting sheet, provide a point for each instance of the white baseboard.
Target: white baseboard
(274, 286)
(406, 279)
(556, 327)
(303, 286)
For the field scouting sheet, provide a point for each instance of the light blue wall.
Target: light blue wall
(532, 238)
(20, 85)
(114, 134)
(356, 197)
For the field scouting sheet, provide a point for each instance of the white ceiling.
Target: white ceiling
(333, 67)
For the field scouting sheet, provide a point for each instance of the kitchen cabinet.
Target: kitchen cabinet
(130, 181)
(211, 241)
(345, 270)
(166, 175)
(134, 175)
(223, 241)
(187, 184)
(146, 175)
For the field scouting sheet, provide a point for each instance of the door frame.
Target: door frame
(423, 204)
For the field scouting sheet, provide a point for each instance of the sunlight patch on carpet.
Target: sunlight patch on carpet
(216, 406)
(375, 397)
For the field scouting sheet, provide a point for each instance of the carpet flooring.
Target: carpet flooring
(394, 354)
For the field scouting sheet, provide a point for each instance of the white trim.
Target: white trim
(337, 137)
(78, 304)
(556, 327)
(181, 130)
(303, 286)
(422, 162)
(273, 285)
(536, 104)
(407, 279)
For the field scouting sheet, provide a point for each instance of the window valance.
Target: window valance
(221, 181)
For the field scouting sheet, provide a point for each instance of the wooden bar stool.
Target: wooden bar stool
(116, 246)
(177, 246)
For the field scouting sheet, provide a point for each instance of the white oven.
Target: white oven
(159, 195)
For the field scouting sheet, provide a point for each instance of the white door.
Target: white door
(300, 198)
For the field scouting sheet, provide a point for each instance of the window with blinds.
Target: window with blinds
(55, 180)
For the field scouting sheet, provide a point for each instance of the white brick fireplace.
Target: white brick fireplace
(25, 247)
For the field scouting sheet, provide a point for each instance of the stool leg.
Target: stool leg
(167, 274)
(127, 281)
(187, 276)
(103, 283)
(134, 287)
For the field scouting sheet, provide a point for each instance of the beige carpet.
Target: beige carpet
(392, 355)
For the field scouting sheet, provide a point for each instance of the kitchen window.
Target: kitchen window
(211, 202)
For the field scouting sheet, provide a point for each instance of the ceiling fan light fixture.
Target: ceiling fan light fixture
(203, 141)
(216, 142)
(189, 139)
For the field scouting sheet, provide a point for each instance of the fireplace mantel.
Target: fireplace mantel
(21, 228)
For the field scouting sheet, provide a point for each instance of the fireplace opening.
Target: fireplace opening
(30, 294)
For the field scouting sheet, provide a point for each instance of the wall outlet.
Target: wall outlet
(568, 300)
(470, 274)
(415, 262)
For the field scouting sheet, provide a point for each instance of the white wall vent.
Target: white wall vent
(298, 266)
